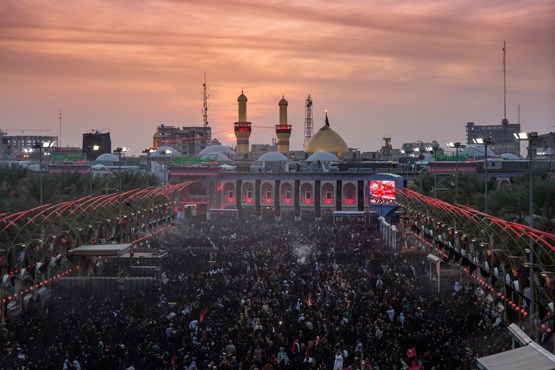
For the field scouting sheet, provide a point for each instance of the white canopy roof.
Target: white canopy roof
(527, 357)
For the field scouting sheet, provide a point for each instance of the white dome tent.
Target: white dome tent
(217, 149)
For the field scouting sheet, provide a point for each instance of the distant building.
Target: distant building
(189, 141)
(503, 140)
(21, 146)
(3, 145)
(96, 143)
(258, 150)
(545, 146)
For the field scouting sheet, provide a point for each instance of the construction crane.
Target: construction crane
(23, 130)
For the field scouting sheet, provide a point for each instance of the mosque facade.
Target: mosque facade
(279, 187)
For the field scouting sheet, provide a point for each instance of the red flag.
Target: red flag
(203, 312)
(308, 301)
(411, 352)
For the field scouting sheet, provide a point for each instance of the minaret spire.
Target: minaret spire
(283, 129)
(242, 127)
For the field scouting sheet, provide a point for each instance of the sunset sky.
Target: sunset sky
(412, 70)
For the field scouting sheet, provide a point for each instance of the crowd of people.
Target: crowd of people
(251, 295)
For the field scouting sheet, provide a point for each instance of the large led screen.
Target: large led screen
(382, 192)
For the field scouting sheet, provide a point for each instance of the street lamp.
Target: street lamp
(407, 152)
(147, 151)
(40, 145)
(420, 149)
(433, 149)
(530, 137)
(435, 261)
(485, 142)
(530, 264)
(164, 153)
(90, 150)
(456, 145)
(119, 151)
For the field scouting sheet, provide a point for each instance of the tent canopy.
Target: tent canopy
(101, 250)
(527, 357)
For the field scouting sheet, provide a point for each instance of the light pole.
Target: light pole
(419, 150)
(485, 142)
(530, 137)
(90, 150)
(147, 151)
(40, 145)
(433, 149)
(407, 152)
(456, 145)
(119, 151)
(530, 252)
(164, 153)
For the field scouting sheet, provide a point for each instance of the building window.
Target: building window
(269, 194)
(249, 193)
(329, 195)
(230, 194)
(288, 194)
(308, 195)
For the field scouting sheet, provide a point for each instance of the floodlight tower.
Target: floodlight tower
(308, 120)
(205, 96)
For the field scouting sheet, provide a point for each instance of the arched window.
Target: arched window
(229, 193)
(286, 193)
(328, 198)
(349, 194)
(247, 193)
(267, 195)
(307, 194)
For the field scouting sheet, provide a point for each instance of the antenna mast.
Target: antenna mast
(60, 117)
(504, 83)
(308, 121)
(205, 97)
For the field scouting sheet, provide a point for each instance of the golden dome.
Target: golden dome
(242, 97)
(326, 140)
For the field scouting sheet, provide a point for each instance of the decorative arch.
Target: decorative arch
(267, 194)
(247, 193)
(328, 194)
(229, 192)
(307, 194)
(349, 194)
(286, 193)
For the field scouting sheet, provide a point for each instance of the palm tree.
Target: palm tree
(510, 203)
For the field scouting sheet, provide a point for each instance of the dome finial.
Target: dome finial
(283, 94)
(242, 88)
(327, 121)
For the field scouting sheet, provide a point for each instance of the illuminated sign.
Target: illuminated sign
(382, 191)
(239, 127)
(283, 128)
(59, 157)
